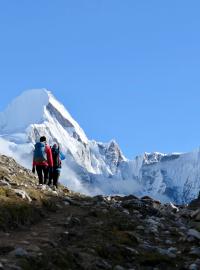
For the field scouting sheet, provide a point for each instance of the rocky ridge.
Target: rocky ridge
(41, 228)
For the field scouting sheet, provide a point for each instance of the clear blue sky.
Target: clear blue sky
(128, 70)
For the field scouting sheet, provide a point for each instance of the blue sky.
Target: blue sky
(128, 70)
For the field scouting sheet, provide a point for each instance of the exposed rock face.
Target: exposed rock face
(65, 230)
(114, 156)
(11, 173)
(195, 204)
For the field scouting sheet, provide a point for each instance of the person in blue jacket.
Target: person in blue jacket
(58, 156)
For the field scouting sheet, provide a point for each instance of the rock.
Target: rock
(147, 247)
(152, 225)
(136, 212)
(66, 203)
(194, 233)
(66, 190)
(151, 202)
(75, 221)
(152, 222)
(195, 225)
(197, 262)
(13, 267)
(185, 213)
(134, 203)
(173, 249)
(197, 218)
(105, 211)
(195, 213)
(34, 233)
(102, 264)
(190, 239)
(183, 228)
(153, 230)
(42, 187)
(166, 253)
(195, 251)
(33, 248)
(19, 252)
(65, 236)
(71, 221)
(128, 198)
(22, 194)
(168, 242)
(147, 198)
(140, 228)
(4, 183)
(1, 266)
(104, 204)
(174, 208)
(195, 204)
(118, 267)
(132, 251)
(193, 267)
(3, 260)
(71, 201)
(125, 211)
(162, 226)
(25, 242)
(98, 198)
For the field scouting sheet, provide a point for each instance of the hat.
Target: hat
(43, 139)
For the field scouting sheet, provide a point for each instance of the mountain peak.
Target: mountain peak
(24, 110)
(34, 108)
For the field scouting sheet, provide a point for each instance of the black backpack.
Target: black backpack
(56, 157)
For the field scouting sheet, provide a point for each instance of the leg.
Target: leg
(56, 175)
(50, 176)
(40, 174)
(46, 174)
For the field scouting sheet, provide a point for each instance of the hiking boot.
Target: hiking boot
(54, 188)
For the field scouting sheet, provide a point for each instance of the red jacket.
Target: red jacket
(49, 161)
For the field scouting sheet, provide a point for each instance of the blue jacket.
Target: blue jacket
(62, 157)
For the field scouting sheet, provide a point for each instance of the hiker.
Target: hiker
(58, 156)
(42, 160)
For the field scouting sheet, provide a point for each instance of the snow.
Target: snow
(66, 115)
(20, 113)
(93, 167)
(30, 108)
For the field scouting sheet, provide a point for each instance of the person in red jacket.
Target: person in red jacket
(42, 160)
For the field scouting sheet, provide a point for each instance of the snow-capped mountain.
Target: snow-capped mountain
(35, 113)
(92, 166)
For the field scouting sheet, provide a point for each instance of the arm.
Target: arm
(33, 164)
(49, 156)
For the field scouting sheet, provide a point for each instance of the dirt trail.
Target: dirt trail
(37, 238)
(99, 233)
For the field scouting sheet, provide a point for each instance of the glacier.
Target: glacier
(94, 167)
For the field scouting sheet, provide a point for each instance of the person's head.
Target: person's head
(43, 139)
(55, 146)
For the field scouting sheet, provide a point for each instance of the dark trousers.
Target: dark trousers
(43, 174)
(54, 175)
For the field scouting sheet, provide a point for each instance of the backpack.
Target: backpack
(40, 154)
(56, 157)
